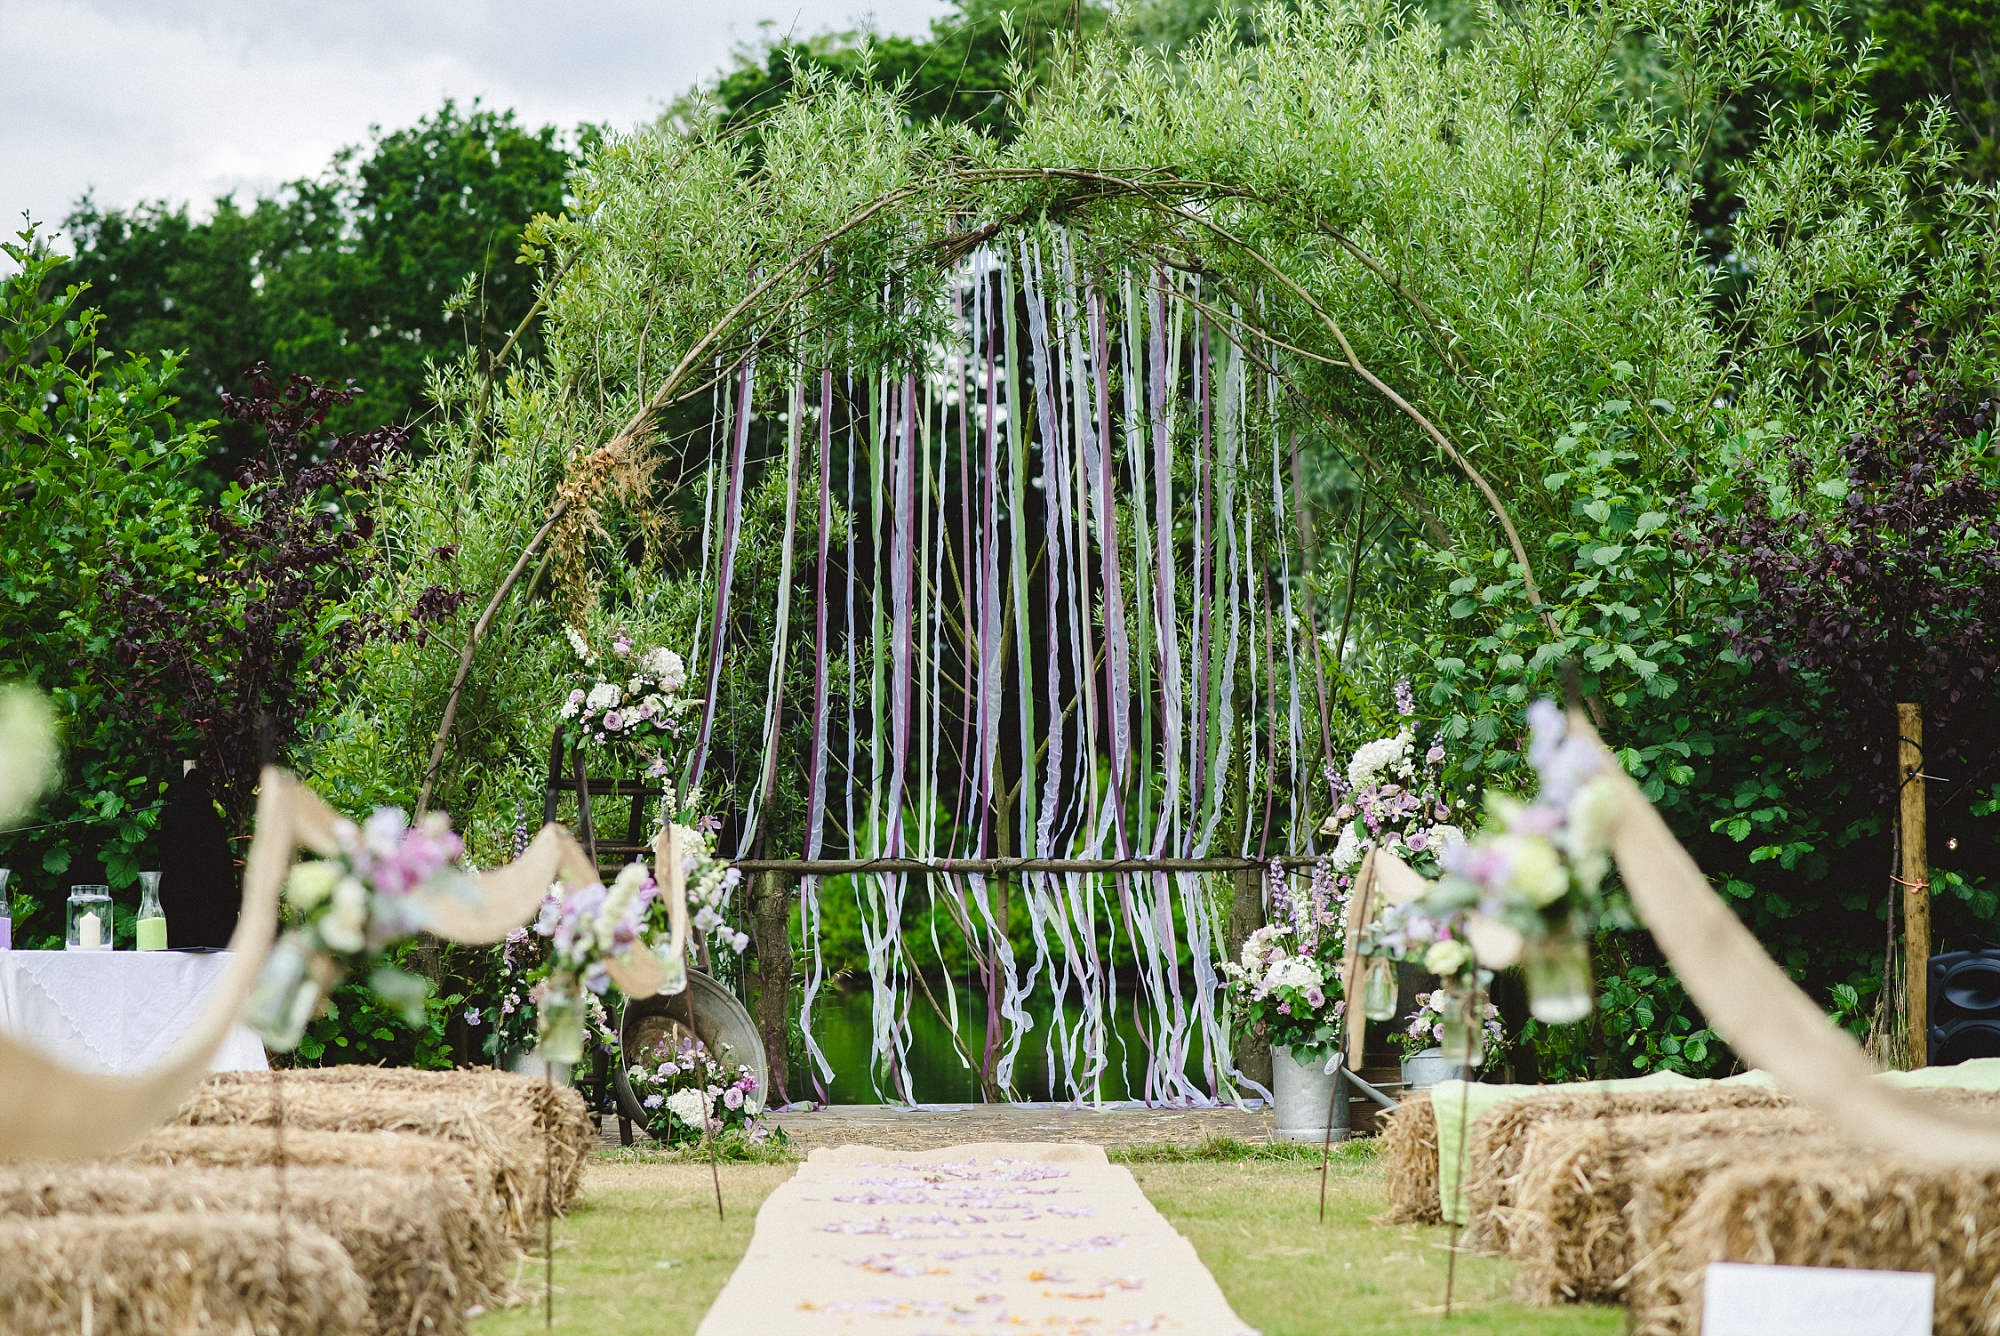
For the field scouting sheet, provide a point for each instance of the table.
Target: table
(115, 1012)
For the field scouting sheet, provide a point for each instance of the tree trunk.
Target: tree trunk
(770, 906)
(1246, 914)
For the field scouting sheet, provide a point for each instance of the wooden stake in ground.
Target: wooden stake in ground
(1916, 883)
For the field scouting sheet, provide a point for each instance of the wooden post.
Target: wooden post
(1916, 883)
(770, 906)
(1246, 915)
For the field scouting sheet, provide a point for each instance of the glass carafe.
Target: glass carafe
(151, 929)
(6, 911)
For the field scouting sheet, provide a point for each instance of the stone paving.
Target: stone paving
(937, 1125)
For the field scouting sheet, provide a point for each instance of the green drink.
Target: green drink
(152, 923)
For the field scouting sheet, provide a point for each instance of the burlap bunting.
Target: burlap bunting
(48, 1110)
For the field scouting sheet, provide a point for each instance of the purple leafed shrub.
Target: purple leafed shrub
(1893, 593)
(266, 636)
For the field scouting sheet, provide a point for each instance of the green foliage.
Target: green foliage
(966, 70)
(98, 473)
(397, 255)
(359, 1027)
(1647, 1025)
(1945, 52)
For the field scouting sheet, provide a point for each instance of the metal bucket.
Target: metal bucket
(708, 1012)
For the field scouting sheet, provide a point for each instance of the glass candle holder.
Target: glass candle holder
(1463, 1038)
(1558, 974)
(1378, 990)
(151, 929)
(287, 995)
(89, 926)
(559, 1020)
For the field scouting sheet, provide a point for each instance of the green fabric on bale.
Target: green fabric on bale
(1446, 1098)
(1972, 1074)
(1458, 1105)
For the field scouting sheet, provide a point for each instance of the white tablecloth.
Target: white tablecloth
(115, 1011)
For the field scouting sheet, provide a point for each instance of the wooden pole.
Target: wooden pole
(1916, 883)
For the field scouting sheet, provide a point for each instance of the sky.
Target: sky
(163, 99)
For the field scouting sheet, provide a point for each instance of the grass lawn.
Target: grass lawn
(644, 1254)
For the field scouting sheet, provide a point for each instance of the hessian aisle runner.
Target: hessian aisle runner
(1027, 1236)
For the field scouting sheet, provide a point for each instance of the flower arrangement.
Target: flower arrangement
(1530, 888)
(520, 963)
(344, 911)
(586, 930)
(1391, 799)
(633, 699)
(685, 1090)
(1427, 1025)
(1286, 983)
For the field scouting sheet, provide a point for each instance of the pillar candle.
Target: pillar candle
(89, 932)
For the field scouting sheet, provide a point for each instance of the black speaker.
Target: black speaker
(1964, 1006)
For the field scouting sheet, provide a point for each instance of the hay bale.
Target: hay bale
(1567, 1227)
(1838, 1208)
(1497, 1138)
(427, 1157)
(554, 1107)
(1410, 1161)
(176, 1274)
(489, 1112)
(424, 1249)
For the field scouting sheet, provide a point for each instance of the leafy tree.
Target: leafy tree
(963, 71)
(97, 475)
(1948, 50)
(398, 255)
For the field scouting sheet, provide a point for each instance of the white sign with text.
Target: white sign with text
(1743, 1300)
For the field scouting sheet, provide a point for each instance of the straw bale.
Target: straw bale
(1410, 1161)
(176, 1274)
(486, 1111)
(1837, 1208)
(1497, 1138)
(557, 1107)
(427, 1157)
(423, 1248)
(1567, 1227)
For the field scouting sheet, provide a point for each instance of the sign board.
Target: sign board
(1743, 1300)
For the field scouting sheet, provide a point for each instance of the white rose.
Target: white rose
(1538, 874)
(1448, 957)
(345, 925)
(1293, 972)
(1592, 814)
(311, 883)
(1496, 945)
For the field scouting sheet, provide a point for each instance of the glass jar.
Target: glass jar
(1463, 1038)
(1558, 974)
(287, 994)
(89, 926)
(1378, 990)
(151, 928)
(559, 1020)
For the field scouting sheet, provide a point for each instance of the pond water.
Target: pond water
(843, 1024)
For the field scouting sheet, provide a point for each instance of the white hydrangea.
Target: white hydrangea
(1293, 972)
(604, 696)
(1372, 758)
(1347, 852)
(690, 1106)
(667, 668)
